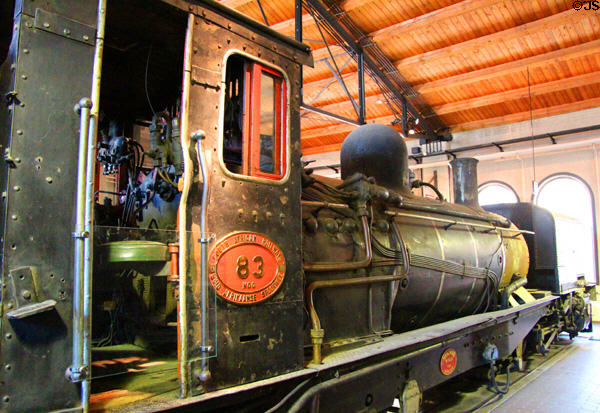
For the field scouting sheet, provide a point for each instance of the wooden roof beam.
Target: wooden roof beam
(234, 4)
(487, 73)
(322, 149)
(309, 135)
(425, 20)
(526, 29)
(584, 49)
(519, 93)
(522, 116)
(404, 27)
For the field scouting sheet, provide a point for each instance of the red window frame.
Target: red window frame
(251, 143)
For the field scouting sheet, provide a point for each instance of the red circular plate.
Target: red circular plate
(246, 268)
(448, 362)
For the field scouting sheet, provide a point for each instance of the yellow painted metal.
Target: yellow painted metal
(516, 257)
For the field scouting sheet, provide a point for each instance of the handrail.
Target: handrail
(78, 371)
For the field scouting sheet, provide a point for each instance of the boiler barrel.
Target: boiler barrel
(455, 270)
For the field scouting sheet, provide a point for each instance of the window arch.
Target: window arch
(572, 199)
(496, 192)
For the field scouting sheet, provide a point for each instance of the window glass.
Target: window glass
(571, 199)
(254, 133)
(267, 123)
(496, 193)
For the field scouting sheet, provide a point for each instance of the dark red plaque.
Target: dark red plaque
(448, 362)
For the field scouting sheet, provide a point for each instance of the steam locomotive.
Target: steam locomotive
(164, 248)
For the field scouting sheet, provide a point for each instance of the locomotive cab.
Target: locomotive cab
(193, 136)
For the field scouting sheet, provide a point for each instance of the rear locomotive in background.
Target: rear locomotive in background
(163, 246)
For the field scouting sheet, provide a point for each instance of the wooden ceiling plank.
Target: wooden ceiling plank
(504, 69)
(311, 134)
(491, 99)
(234, 4)
(522, 116)
(425, 20)
(480, 42)
(321, 149)
(519, 93)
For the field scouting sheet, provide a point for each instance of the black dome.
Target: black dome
(379, 151)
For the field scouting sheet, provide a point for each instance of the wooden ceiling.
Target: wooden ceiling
(475, 62)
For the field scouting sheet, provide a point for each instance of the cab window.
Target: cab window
(254, 135)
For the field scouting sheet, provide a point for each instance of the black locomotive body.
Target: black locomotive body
(163, 246)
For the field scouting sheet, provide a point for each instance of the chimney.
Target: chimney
(464, 179)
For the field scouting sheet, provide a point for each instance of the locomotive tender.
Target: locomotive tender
(163, 247)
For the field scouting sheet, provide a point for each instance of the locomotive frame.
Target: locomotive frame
(247, 357)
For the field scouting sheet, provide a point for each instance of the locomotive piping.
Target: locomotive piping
(90, 199)
(204, 348)
(317, 332)
(353, 265)
(183, 242)
(452, 222)
(336, 381)
(77, 371)
(511, 288)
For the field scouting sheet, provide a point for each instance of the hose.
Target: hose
(419, 184)
(499, 392)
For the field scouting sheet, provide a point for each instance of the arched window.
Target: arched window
(571, 198)
(495, 192)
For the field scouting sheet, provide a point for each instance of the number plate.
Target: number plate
(246, 268)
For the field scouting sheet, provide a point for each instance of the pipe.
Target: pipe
(511, 288)
(452, 222)
(174, 254)
(518, 152)
(323, 204)
(78, 371)
(336, 381)
(418, 184)
(499, 145)
(204, 376)
(317, 333)
(90, 200)
(353, 265)
(464, 181)
(442, 211)
(188, 170)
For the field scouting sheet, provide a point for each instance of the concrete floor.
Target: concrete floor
(568, 383)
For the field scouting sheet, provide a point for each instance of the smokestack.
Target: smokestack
(464, 178)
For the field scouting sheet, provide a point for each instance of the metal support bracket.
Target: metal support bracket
(64, 27)
(410, 400)
(497, 145)
(24, 300)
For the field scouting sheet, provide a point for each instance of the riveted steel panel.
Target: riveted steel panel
(39, 135)
(255, 341)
